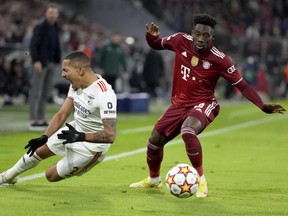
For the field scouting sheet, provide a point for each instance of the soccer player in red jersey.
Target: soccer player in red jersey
(197, 68)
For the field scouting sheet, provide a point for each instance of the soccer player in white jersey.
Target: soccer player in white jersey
(198, 66)
(84, 142)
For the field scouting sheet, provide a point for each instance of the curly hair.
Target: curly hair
(205, 19)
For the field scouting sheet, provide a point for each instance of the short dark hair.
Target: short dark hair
(79, 59)
(52, 5)
(205, 19)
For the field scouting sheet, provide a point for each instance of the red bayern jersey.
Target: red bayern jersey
(194, 76)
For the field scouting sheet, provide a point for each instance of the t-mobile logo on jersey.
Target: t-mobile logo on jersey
(185, 71)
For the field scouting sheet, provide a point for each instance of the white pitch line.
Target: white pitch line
(136, 130)
(174, 142)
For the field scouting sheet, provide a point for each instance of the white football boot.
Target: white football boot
(4, 180)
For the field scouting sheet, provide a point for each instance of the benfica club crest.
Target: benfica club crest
(194, 61)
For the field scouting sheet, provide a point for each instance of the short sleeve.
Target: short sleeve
(229, 71)
(107, 105)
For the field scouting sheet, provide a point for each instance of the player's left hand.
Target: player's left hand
(35, 143)
(273, 108)
(71, 135)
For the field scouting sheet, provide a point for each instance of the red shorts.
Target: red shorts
(169, 124)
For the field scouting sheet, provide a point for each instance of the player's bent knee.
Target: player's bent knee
(52, 175)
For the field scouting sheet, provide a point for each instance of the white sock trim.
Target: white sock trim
(37, 156)
(202, 178)
(154, 180)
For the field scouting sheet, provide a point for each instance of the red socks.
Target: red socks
(193, 148)
(154, 158)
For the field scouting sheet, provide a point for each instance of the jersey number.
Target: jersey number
(109, 105)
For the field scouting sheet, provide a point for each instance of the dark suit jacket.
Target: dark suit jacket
(45, 43)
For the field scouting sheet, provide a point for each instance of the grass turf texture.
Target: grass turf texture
(245, 161)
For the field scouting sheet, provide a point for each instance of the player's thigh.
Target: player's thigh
(194, 122)
(169, 124)
(201, 115)
(56, 145)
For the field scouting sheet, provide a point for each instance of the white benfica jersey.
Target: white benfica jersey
(92, 104)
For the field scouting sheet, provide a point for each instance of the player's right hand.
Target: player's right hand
(35, 143)
(152, 29)
(71, 135)
(273, 108)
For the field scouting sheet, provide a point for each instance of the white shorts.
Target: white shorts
(79, 157)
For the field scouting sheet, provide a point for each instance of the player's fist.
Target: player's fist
(273, 108)
(33, 144)
(152, 29)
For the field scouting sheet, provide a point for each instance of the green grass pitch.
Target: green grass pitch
(245, 161)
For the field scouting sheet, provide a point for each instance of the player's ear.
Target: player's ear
(81, 71)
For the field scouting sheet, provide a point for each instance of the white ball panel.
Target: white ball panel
(179, 179)
(191, 178)
(185, 195)
(174, 170)
(194, 189)
(175, 189)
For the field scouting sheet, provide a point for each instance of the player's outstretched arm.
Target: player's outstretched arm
(273, 108)
(250, 93)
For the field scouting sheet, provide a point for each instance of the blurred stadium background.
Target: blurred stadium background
(254, 33)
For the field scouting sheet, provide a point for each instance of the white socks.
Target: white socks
(23, 164)
(154, 180)
(202, 178)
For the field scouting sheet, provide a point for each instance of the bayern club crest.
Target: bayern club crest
(194, 61)
(206, 64)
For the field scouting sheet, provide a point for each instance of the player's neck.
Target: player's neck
(91, 78)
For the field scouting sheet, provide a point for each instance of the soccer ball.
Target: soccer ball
(182, 181)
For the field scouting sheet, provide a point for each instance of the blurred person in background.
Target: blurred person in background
(112, 61)
(274, 77)
(197, 68)
(250, 70)
(4, 74)
(45, 52)
(17, 83)
(153, 72)
(4, 81)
